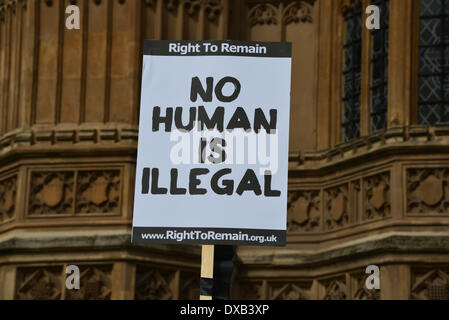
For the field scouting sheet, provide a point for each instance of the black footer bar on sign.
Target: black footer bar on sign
(251, 237)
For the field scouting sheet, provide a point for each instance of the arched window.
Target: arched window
(433, 62)
(352, 72)
(365, 70)
(379, 69)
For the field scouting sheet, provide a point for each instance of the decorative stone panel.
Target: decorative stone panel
(153, 284)
(98, 191)
(304, 211)
(359, 289)
(87, 191)
(212, 8)
(336, 210)
(335, 289)
(430, 284)
(95, 284)
(188, 19)
(189, 286)
(269, 12)
(250, 290)
(7, 198)
(51, 192)
(428, 190)
(377, 196)
(40, 283)
(290, 291)
(37, 283)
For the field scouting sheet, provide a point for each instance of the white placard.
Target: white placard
(212, 160)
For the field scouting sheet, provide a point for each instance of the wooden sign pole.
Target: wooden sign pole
(207, 269)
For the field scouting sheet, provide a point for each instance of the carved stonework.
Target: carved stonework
(297, 11)
(336, 209)
(51, 192)
(266, 13)
(377, 196)
(98, 191)
(171, 4)
(95, 284)
(303, 211)
(335, 290)
(428, 190)
(43, 283)
(430, 284)
(152, 285)
(7, 198)
(10, 5)
(291, 291)
(250, 290)
(189, 287)
(212, 8)
(263, 13)
(361, 292)
(150, 3)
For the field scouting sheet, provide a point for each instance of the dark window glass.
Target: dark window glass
(434, 62)
(379, 69)
(351, 73)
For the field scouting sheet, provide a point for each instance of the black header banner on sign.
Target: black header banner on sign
(218, 48)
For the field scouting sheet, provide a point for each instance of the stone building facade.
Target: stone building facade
(369, 155)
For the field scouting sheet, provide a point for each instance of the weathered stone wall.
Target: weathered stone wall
(69, 103)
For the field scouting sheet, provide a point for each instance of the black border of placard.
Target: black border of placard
(273, 49)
